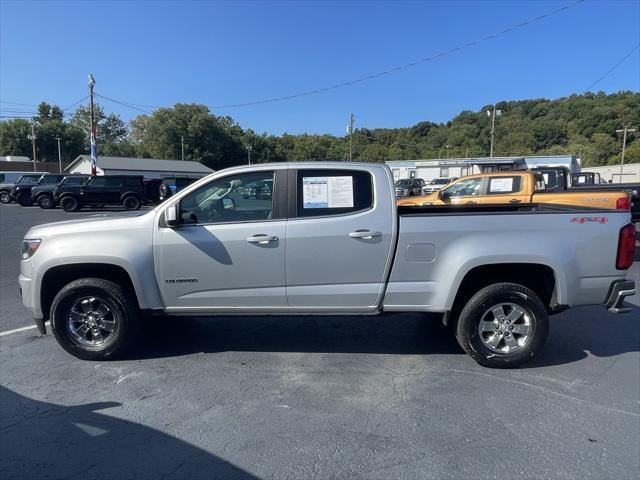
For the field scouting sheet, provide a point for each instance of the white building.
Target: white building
(149, 168)
(630, 173)
(459, 167)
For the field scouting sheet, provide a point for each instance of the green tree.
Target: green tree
(110, 128)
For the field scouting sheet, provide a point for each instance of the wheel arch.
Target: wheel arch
(130, 194)
(538, 277)
(56, 277)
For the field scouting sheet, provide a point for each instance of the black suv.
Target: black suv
(42, 194)
(173, 185)
(23, 192)
(125, 190)
(6, 188)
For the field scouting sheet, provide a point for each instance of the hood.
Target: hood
(419, 200)
(101, 222)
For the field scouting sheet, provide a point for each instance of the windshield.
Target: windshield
(403, 183)
(73, 181)
(439, 181)
(28, 179)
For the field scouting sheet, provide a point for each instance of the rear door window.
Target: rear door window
(504, 185)
(333, 192)
(132, 182)
(105, 182)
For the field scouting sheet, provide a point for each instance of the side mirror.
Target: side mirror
(228, 204)
(171, 216)
(442, 194)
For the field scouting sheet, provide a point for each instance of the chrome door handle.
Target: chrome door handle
(262, 239)
(365, 234)
(514, 200)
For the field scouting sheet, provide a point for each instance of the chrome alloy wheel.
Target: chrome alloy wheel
(505, 327)
(91, 321)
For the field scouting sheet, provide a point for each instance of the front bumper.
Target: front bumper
(619, 290)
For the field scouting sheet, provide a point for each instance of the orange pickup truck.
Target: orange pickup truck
(515, 187)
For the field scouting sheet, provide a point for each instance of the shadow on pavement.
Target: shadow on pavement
(572, 334)
(388, 334)
(45, 440)
(589, 330)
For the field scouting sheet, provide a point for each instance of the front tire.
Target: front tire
(5, 197)
(70, 204)
(503, 325)
(131, 202)
(46, 202)
(95, 319)
(24, 199)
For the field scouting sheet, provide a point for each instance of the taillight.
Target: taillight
(626, 247)
(623, 203)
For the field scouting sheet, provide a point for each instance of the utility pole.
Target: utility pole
(249, 148)
(59, 155)
(493, 125)
(92, 135)
(182, 147)
(448, 147)
(350, 131)
(33, 137)
(624, 132)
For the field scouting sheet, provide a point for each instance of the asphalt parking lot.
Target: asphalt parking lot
(314, 397)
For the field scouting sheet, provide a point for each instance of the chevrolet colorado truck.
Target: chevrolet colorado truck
(328, 240)
(516, 187)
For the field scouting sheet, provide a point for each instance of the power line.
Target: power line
(18, 103)
(620, 62)
(123, 103)
(372, 76)
(75, 103)
(407, 65)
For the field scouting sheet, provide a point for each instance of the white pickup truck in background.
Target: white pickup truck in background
(326, 239)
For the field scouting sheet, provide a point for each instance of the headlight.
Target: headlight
(29, 247)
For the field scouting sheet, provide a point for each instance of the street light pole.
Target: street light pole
(350, 130)
(249, 148)
(448, 147)
(493, 126)
(59, 155)
(182, 147)
(624, 132)
(33, 137)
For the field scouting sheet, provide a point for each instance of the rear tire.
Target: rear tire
(70, 204)
(5, 197)
(46, 202)
(24, 199)
(503, 325)
(131, 202)
(95, 319)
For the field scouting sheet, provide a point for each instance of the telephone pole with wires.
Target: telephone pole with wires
(33, 137)
(624, 132)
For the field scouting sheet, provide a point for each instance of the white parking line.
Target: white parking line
(18, 330)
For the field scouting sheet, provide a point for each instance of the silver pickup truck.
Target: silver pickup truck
(326, 239)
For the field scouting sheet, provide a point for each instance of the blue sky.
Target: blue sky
(218, 53)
